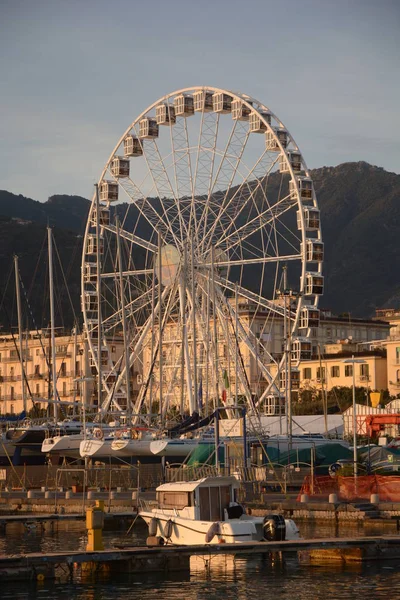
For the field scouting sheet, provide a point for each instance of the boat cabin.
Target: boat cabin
(208, 499)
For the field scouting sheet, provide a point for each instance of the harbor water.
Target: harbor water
(246, 578)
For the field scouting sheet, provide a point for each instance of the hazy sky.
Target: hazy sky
(75, 73)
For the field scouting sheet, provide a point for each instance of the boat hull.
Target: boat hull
(191, 532)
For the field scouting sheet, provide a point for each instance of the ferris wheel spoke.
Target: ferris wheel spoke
(182, 169)
(259, 222)
(163, 187)
(252, 296)
(244, 193)
(130, 237)
(226, 170)
(141, 202)
(204, 168)
(129, 273)
(139, 342)
(246, 337)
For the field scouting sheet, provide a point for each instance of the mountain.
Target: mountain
(360, 215)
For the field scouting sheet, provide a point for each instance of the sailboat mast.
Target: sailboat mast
(53, 342)
(124, 326)
(21, 356)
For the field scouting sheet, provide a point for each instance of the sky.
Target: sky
(75, 73)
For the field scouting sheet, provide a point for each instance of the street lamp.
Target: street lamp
(353, 361)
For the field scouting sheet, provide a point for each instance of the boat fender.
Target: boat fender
(274, 528)
(153, 527)
(155, 540)
(98, 433)
(168, 529)
(212, 532)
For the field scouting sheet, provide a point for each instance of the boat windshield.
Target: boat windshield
(174, 499)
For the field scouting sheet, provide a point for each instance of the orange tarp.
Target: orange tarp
(349, 488)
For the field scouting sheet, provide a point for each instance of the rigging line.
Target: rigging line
(34, 324)
(6, 286)
(37, 265)
(64, 279)
(18, 354)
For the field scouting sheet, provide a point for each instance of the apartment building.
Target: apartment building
(76, 373)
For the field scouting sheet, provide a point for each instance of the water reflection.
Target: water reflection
(243, 579)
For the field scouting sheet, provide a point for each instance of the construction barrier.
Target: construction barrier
(349, 489)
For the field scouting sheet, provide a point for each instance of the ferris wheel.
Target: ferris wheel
(202, 246)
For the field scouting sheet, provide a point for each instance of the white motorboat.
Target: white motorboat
(206, 512)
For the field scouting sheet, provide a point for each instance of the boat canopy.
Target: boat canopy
(190, 486)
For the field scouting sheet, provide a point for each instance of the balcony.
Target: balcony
(16, 359)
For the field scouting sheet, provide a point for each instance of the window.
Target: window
(37, 389)
(321, 373)
(63, 369)
(364, 371)
(348, 370)
(64, 392)
(174, 499)
(113, 348)
(37, 352)
(12, 395)
(397, 377)
(61, 349)
(335, 371)
(307, 373)
(37, 369)
(398, 355)
(12, 409)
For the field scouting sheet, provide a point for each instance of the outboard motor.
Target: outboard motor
(274, 528)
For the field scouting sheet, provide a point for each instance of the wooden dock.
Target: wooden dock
(177, 558)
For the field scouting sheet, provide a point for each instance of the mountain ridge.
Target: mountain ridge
(360, 218)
